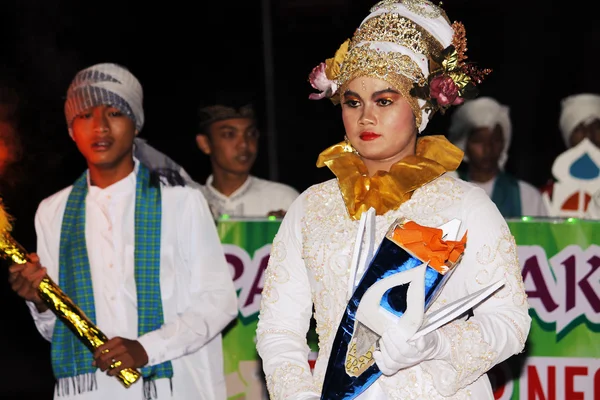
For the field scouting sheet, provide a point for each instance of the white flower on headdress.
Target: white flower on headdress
(324, 76)
(318, 80)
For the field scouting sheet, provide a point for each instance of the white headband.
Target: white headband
(483, 112)
(578, 109)
(105, 84)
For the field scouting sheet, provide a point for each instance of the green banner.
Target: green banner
(560, 260)
(247, 245)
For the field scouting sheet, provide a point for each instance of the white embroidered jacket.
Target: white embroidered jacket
(309, 265)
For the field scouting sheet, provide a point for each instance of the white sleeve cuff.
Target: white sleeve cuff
(45, 316)
(44, 322)
(151, 342)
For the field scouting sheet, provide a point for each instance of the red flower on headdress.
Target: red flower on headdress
(445, 91)
(452, 80)
(318, 79)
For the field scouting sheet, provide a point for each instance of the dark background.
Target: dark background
(190, 53)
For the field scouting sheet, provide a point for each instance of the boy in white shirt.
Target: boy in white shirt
(138, 253)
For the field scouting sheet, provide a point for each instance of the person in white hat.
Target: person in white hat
(579, 119)
(403, 63)
(137, 252)
(482, 129)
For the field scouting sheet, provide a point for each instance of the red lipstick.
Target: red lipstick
(367, 136)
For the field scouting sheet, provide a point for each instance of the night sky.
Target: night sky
(187, 54)
(185, 57)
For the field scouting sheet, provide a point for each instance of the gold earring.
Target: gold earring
(348, 146)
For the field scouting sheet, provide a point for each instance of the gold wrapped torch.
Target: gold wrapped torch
(59, 302)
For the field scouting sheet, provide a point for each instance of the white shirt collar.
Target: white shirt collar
(125, 185)
(238, 193)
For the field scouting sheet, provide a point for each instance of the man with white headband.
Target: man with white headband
(137, 252)
(482, 129)
(579, 119)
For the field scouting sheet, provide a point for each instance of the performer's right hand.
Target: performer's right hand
(397, 352)
(25, 279)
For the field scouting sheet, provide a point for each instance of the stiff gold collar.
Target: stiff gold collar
(386, 191)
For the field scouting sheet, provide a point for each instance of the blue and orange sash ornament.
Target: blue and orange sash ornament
(407, 250)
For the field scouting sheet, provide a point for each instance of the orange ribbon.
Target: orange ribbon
(427, 245)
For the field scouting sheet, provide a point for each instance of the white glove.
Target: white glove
(396, 352)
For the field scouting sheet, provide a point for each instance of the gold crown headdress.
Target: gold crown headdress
(412, 45)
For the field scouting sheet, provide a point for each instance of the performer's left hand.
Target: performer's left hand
(118, 354)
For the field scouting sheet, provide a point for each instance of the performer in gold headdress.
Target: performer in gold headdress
(404, 63)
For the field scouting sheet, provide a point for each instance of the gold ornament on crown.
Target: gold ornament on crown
(57, 301)
(395, 28)
(361, 57)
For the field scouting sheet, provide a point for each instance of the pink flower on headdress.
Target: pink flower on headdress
(318, 80)
(445, 91)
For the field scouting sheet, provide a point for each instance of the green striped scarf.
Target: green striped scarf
(70, 357)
